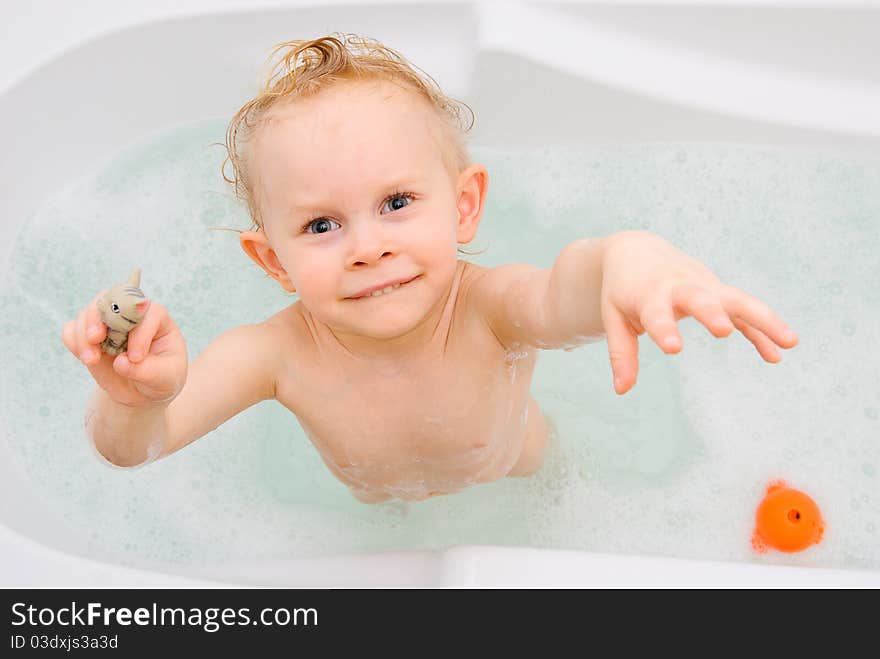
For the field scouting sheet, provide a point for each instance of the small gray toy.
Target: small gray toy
(122, 308)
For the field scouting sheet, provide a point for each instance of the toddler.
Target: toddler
(407, 367)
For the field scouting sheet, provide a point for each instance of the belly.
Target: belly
(433, 439)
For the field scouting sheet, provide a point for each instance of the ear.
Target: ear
(473, 183)
(142, 307)
(256, 245)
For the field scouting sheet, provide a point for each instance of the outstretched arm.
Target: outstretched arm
(621, 286)
(548, 308)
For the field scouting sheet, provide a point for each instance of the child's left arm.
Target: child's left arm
(622, 286)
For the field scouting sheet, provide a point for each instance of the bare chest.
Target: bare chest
(441, 418)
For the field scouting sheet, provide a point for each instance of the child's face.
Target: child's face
(325, 172)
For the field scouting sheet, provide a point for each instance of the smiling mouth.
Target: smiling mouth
(385, 291)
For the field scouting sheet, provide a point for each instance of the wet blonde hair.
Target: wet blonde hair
(299, 69)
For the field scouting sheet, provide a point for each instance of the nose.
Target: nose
(368, 245)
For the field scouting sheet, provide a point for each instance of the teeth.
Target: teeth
(387, 289)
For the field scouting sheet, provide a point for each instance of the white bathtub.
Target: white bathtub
(650, 73)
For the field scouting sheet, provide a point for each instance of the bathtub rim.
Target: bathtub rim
(466, 564)
(459, 566)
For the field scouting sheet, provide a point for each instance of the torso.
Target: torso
(435, 424)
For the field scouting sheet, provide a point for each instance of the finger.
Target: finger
(68, 337)
(85, 342)
(659, 322)
(152, 327)
(704, 306)
(89, 350)
(101, 366)
(96, 360)
(147, 371)
(759, 316)
(764, 345)
(96, 330)
(84, 350)
(92, 327)
(623, 348)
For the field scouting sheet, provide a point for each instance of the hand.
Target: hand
(152, 370)
(648, 285)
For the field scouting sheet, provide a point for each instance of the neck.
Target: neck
(397, 351)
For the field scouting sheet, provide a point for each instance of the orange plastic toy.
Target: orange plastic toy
(787, 520)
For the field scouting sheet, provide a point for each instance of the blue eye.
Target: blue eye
(398, 198)
(321, 222)
(394, 202)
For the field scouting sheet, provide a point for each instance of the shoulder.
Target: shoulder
(285, 320)
(271, 350)
(485, 292)
(265, 345)
(287, 329)
(493, 280)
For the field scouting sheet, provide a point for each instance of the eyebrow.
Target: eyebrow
(396, 183)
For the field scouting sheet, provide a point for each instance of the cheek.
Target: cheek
(313, 276)
(439, 234)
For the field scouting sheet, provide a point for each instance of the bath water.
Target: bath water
(674, 468)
